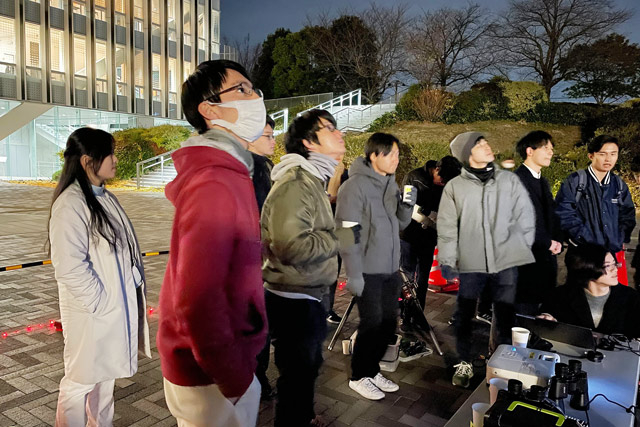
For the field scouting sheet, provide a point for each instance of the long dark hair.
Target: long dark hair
(98, 145)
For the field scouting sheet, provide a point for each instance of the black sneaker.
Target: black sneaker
(334, 318)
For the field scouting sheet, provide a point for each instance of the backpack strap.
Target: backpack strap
(582, 182)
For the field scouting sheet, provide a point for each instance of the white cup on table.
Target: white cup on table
(495, 385)
(479, 409)
(519, 336)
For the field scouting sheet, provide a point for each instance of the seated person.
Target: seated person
(592, 297)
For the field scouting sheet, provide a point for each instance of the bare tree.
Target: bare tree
(450, 46)
(248, 53)
(537, 35)
(365, 50)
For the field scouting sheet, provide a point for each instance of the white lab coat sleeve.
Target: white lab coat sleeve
(69, 236)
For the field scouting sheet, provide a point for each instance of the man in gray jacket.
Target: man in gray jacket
(486, 226)
(371, 198)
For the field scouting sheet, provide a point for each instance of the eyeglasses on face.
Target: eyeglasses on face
(269, 137)
(613, 266)
(241, 88)
(330, 127)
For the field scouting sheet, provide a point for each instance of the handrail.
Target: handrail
(339, 101)
(282, 114)
(160, 159)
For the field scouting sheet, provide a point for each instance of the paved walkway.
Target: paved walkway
(31, 362)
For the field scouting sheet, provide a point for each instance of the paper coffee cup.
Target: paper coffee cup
(519, 337)
(495, 385)
(345, 347)
(405, 192)
(348, 224)
(479, 409)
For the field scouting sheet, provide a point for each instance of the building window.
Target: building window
(155, 71)
(8, 37)
(139, 67)
(101, 60)
(186, 22)
(186, 67)
(32, 37)
(121, 65)
(121, 20)
(173, 81)
(215, 26)
(57, 50)
(79, 8)
(138, 9)
(138, 25)
(155, 12)
(79, 55)
(119, 6)
(59, 4)
(100, 14)
(101, 3)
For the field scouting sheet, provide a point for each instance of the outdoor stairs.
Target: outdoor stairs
(158, 178)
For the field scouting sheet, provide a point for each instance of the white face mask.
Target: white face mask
(252, 117)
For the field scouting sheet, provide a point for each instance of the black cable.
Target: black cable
(621, 342)
(588, 420)
(631, 409)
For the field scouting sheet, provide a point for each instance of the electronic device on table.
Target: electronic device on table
(531, 367)
(542, 406)
(567, 339)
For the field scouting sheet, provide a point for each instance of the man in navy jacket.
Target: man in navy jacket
(597, 208)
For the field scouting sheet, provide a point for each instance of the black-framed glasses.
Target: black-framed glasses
(269, 137)
(243, 88)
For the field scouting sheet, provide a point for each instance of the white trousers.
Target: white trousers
(206, 406)
(81, 405)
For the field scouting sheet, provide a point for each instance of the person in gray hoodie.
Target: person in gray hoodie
(486, 227)
(371, 198)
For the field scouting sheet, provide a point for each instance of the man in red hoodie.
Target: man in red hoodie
(212, 311)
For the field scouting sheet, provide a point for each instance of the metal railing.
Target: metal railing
(348, 99)
(153, 162)
(284, 115)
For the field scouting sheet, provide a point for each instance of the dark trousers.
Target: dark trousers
(417, 260)
(536, 281)
(378, 309)
(503, 293)
(329, 298)
(263, 363)
(298, 328)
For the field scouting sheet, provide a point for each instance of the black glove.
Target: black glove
(448, 272)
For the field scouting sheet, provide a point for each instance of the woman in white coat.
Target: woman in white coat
(101, 285)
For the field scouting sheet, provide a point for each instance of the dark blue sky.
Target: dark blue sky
(258, 18)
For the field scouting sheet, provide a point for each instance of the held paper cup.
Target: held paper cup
(519, 337)
(479, 409)
(345, 347)
(348, 224)
(496, 384)
(405, 192)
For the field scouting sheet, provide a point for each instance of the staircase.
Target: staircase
(158, 178)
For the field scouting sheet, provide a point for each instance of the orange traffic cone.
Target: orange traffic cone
(437, 283)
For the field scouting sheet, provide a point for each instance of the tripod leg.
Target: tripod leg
(345, 316)
(423, 324)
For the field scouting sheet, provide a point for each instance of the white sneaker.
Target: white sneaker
(384, 384)
(366, 388)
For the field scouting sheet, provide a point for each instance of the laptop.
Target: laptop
(567, 339)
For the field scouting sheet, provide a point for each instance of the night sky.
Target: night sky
(258, 18)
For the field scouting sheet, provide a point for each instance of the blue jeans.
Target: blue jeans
(503, 293)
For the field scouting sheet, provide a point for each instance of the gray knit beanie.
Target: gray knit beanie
(462, 144)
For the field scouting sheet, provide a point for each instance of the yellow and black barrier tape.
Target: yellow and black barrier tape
(48, 261)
